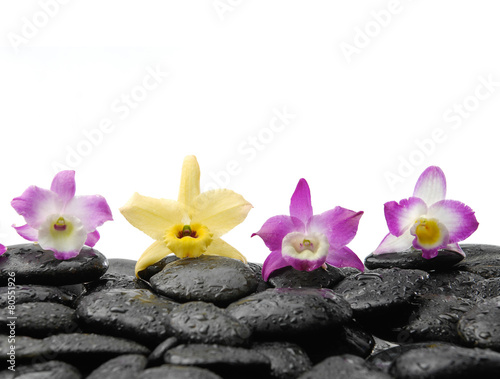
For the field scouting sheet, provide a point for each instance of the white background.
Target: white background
(369, 83)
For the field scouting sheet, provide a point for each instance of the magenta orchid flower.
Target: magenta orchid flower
(58, 220)
(306, 241)
(3, 249)
(426, 220)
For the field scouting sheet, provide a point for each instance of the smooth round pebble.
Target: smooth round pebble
(288, 360)
(121, 266)
(487, 288)
(344, 367)
(200, 322)
(480, 326)
(114, 281)
(288, 311)
(481, 259)
(136, 314)
(126, 366)
(156, 356)
(454, 283)
(319, 278)
(44, 370)
(155, 268)
(33, 265)
(257, 269)
(178, 372)
(30, 293)
(212, 279)
(26, 348)
(412, 259)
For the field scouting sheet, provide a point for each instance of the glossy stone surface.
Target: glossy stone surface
(212, 279)
(33, 265)
(454, 283)
(319, 278)
(412, 259)
(127, 366)
(115, 281)
(29, 293)
(481, 259)
(51, 369)
(288, 360)
(178, 372)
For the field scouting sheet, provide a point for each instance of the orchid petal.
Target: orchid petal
(65, 255)
(393, 244)
(431, 185)
(154, 253)
(456, 248)
(344, 257)
(458, 218)
(27, 232)
(276, 228)
(153, 216)
(220, 210)
(221, 248)
(304, 264)
(3, 249)
(273, 262)
(64, 185)
(35, 204)
(190, 181)
(300, 203)
(92, 238)
(339, 225)
(66, 243)
(401, 216)
(92, 211)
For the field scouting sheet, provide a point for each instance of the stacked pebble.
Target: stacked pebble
(214, 317)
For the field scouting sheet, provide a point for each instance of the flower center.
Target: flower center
(188, 241)
(305, 251)
(60, 224)
(427, 231)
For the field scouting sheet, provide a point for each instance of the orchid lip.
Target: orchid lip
(60, 224)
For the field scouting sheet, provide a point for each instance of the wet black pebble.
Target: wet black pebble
(447, 362)
(113, 280)
(121, 266)
(291, 311)
(257, 269)
(38, 319)
(33, 265)
(200, 322)
(344, 367)
(455, 283)
(126, 366)
(27, 349)
(156, 356)
(178, 372)
(288, 360)
(29, 293)
(480, 326)
(212, 279)
(481, 259)
(487, 288)
(136, 314)
(45, 370)
(155, 268)
(412, 259)
(319, 278)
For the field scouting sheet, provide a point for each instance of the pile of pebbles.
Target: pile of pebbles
(214, 317)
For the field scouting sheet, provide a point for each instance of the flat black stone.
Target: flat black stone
(344, 367)
(200, 322)
(487, 288)
(447, 362)
(33, 265)
(127, 366)
(156, 356)
(453, 283)
(26, 349)
(155, 268)
(121, 266)
(29, 293)
(136, 314)
(481, 259)
(480, 326)
(212, 279)
(288, 311)
(288, 360)
(412, 259)
(39, 319)
(50, 369)
(436, 318)
(224, 360)
(257, 269)
(178, 372)
(381, 290)
(114, 281)
(319, 278)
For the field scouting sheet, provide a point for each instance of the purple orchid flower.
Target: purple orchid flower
(426, 220)
(306, 241)
(3, 249)
(58, 220)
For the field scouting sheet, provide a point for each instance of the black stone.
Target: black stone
(454, 283)
(412, 259)
(381, 290)
(39, 319)
(136, 314)
(33, 265)
(257, 269)
(155, 268)
(111, 280)
(178, 372)
(223, 360)
(127, 366)
(212, 279)
(29, 293)
(447, 362)
(51, 369)
(27, 349)
(436, 318)
(481, 259)
(121, 266)
(156, 356)
(344, 367)
(487, 288)
(480, 326)
(288, 360)
(289, 311)
(199, 322)
(319, 278)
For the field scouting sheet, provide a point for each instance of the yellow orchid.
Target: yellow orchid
(190, 226)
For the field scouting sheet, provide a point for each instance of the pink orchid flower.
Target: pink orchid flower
(306, 241)
(58, 220)
(3, 249)
(426, 220)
